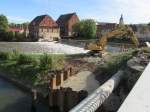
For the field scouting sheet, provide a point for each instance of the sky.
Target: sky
(134, 11)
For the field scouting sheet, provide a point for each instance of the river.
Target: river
(12, 99)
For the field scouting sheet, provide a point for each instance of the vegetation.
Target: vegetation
(51, 62)
(29, 68)
(85, 29)
(117, 63)
(25, 59)
(3, 23)
(5, 35)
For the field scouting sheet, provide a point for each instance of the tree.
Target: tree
(3, 23)
(85, 29)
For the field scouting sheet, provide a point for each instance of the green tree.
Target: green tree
(25, 25)
(3, 23)
(85, 29)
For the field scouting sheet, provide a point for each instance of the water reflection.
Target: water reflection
(12, 99)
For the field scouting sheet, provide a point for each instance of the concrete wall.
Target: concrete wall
(44, 33)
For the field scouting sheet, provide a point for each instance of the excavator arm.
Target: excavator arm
(118, 32)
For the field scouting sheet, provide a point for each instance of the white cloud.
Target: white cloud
(17, 19)
(134, 11)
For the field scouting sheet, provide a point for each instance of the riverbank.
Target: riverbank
(102, 68)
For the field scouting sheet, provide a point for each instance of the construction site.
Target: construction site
(94, 76)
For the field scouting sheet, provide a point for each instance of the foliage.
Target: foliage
(85, 29)
(3, 23)
(26, 59)
(6, 55)
(46, 62)
(117, 63)
(5, 35)
(25, 67)
(51, 62)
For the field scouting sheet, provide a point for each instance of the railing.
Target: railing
(93, 101)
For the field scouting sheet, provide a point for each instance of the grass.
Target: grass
(26, 67)
(54, 62)
(118, 62)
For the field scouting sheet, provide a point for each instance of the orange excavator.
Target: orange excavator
(124, 31)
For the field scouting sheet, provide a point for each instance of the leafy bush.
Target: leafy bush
(26, 59)
(85, 29)
(6, 55)
(52, 62)
(119, 62)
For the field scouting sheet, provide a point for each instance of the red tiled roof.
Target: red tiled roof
(65, 18)
(15, 29)
(43, 20)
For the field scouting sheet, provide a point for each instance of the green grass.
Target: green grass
(26, 67)
(117, 62)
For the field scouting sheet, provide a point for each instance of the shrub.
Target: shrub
(6, 55)
(52, 62)
(46, 62)
(85, 28)
(119, 62)
(25, 59)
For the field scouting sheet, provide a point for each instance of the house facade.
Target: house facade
(44, 28)
(142, 31)
(66, 23)
(103, 28)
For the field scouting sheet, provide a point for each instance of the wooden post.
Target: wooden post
(70, 69)
(53, 82)
(34, 100)
(59, 78)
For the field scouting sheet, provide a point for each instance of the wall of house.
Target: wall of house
(102, 29)
(49, 33)
(74, 19)
(33, 32)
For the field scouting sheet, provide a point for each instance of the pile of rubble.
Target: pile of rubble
(139, 62)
